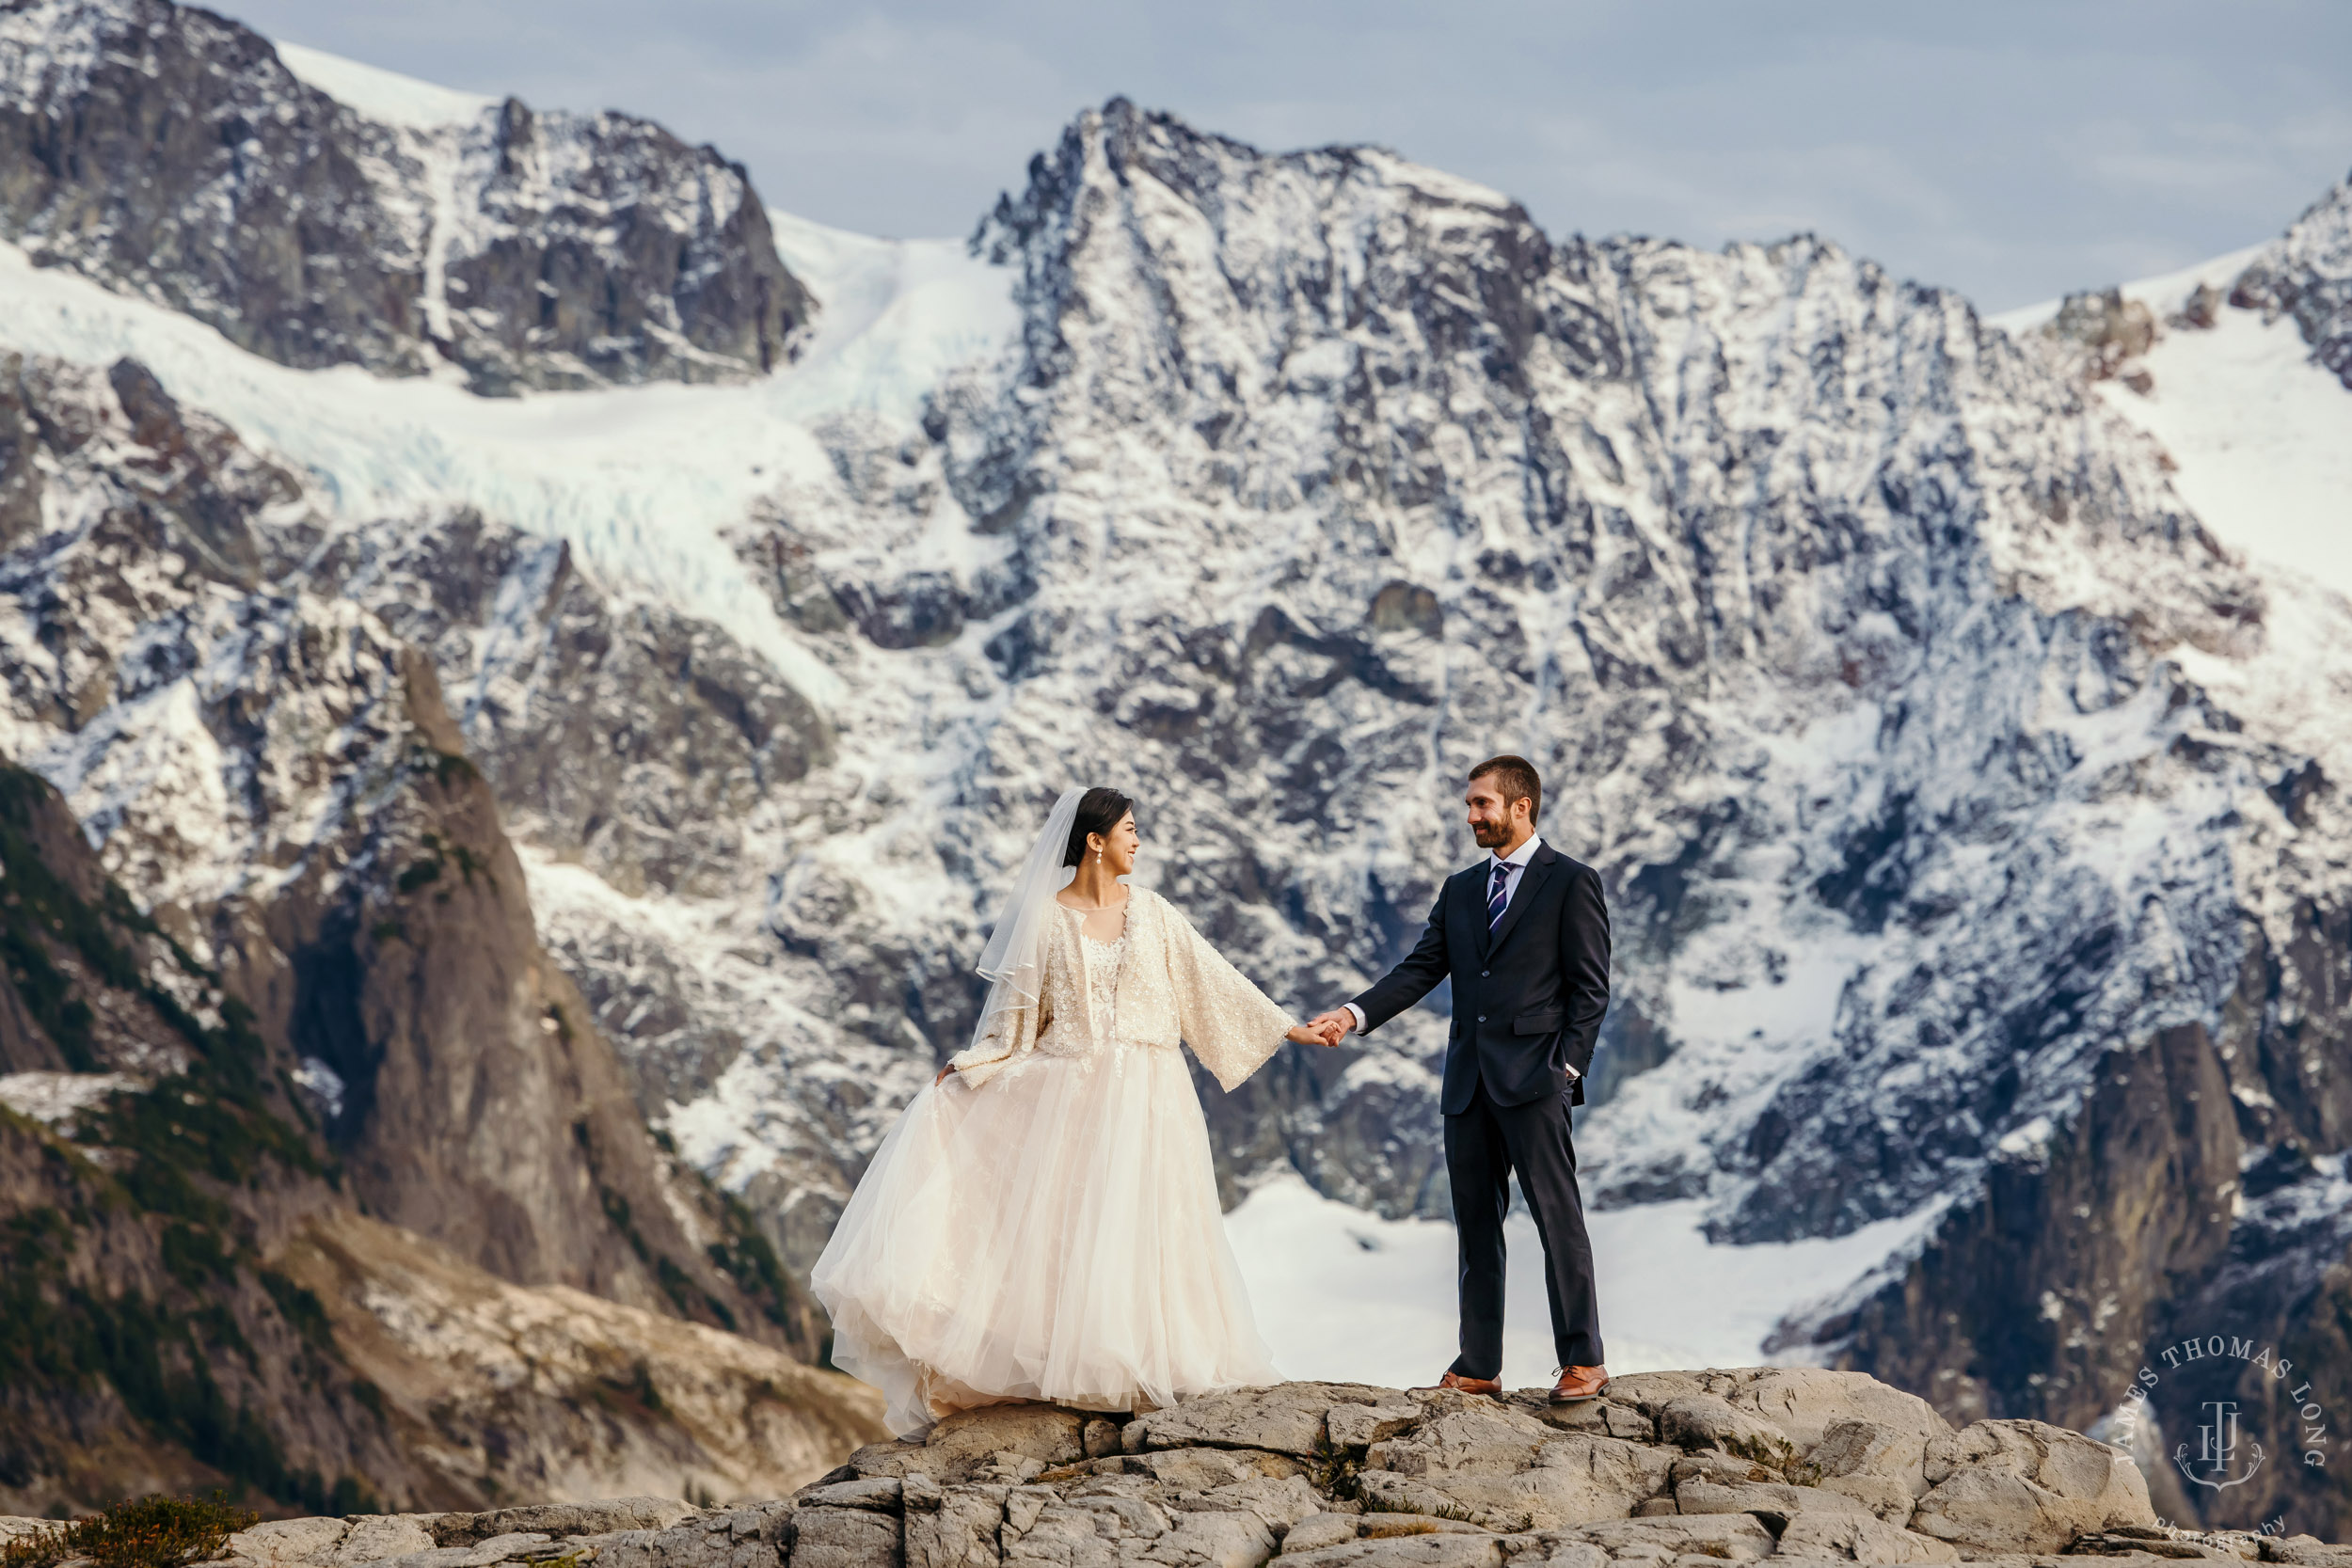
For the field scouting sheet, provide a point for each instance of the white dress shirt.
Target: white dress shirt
(1515, 863)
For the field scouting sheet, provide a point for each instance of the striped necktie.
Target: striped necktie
(1496, 902)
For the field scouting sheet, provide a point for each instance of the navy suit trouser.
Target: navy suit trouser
(1483, 1147)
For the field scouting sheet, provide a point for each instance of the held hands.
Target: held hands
(1328, 1030)
(1336, 1025)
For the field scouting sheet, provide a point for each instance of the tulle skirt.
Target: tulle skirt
(1052, 1234)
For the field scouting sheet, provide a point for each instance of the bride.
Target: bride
(1045, 1226)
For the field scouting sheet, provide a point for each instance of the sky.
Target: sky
(2013, 150)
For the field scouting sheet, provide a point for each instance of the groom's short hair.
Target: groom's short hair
(1514, 777)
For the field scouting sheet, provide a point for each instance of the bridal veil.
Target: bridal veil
(1010, 962)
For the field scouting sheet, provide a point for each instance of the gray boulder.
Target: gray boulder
(554, 1519)
(753, 1536)
(1861, 1448)
(283, 1541)
(955, 1527)
(1805, 1402)
(1475, 1460)
(1775, 1502)
(997, 1441)
(1359, 1426)
(2027, 1486)
(1725, 1537)
(1108, 1522)
(1707, 1421)
(1285, 1418)
(1859, 1536)
(845, 1538)
(1184, 1470)
(378, 1540)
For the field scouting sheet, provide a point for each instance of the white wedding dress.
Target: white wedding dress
(1044, 1225)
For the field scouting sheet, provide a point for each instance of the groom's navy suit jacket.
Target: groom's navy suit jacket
(1528, 998)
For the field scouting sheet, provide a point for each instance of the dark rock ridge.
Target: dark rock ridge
(620, 735)
(357, 1019)
(189, 1296)
(167, 152)
(1749, 1464)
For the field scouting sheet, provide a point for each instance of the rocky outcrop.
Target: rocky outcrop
(190, 1298)
(2281, 1291)
(2102, 336)
(368, 1024)
(2099, 1223)
(491, 1391)
(145, 1339)
(2307, 273)
(167, 151)
(1790, 1465)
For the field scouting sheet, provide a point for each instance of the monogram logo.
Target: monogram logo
(2217, 1450)
(2256, 1393)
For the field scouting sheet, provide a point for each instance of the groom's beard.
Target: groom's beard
(1492, 835)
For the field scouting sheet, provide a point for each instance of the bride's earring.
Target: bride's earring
(1098, 857)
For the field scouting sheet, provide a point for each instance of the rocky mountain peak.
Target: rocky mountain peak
(169, 152)
(2307, 273)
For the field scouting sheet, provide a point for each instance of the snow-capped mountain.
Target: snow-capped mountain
(1968, 807)
(172, 154)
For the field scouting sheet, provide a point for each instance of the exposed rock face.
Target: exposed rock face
(2109, 1213)
(493, 1390)
(167, 151)
(189, 1298)
(127, 1286)
(2282, 1290)
(2027, 1487)
(2104, 336)
(629, 738)
(1287, 1474)
(1826, 603)
(358, 998)
(391, 944)
(2307, 273)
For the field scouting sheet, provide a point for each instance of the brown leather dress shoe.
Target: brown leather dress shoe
(1491, 1387)
(1578, 1383)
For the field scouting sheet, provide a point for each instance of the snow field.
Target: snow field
(1346, 1295)
(2261, 432)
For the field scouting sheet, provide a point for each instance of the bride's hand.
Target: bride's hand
(1307, 1033)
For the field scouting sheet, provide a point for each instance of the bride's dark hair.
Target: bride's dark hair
(1099, 810)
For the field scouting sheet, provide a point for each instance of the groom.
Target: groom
(1525, 936)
